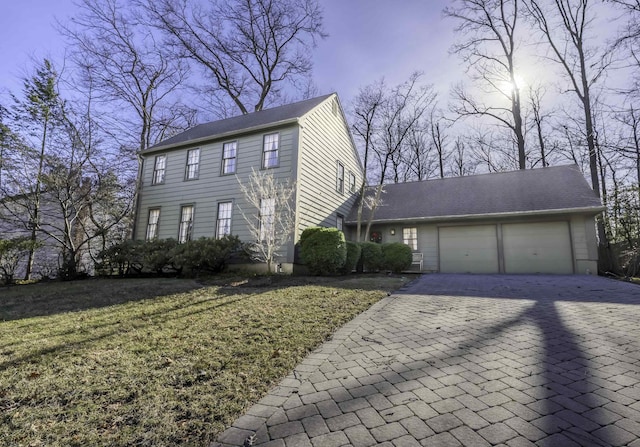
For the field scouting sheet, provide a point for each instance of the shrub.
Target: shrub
(12, 251)
(324, 251)
(158, 254)
(123, 258)
(353, 257)
(307, 233)
(205, 254)
(371, 256)
(396, 256)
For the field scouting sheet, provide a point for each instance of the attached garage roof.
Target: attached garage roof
(242, 123)
(558, 189)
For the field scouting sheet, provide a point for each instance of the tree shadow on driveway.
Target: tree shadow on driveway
(555, 359)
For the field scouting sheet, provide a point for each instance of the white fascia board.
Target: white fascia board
(593, 210)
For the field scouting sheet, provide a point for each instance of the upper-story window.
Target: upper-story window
(340, 178)
(186, 224)
(193, 164)
(152, 224)
(270, 150)
(410, 237)
(352, 182)
(159, 169)
(229, 157)
(223, 224)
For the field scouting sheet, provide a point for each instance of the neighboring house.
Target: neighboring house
(529, 221)
(190, 182)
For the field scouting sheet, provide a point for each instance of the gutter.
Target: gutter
(583, 210)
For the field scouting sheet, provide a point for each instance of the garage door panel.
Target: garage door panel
(542, 247)
(468, 249)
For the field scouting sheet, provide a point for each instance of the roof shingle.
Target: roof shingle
(525, 191)
(243, 122)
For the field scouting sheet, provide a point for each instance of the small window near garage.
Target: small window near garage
(152, 224)
(229, 157)
(410, 237)
(352, 182)
(340, 178)
(159, 169)
(193, 164)
(223, 224)
(186, 224)
(270, 150)
(340, 222)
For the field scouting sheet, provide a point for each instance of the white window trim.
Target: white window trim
(188, 232)
(154, 175)
(155, 225)
(218, 219)
(339, 179)
(196, 173)
(265, 151)
(234, 158)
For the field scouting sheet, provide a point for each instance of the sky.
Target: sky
(368, 40)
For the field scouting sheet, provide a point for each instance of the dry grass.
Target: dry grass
(157, 362)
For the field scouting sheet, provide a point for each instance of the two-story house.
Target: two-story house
(529, 221)
(190, 182)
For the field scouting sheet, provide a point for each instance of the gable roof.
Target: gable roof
(550, 190)
(242, 123)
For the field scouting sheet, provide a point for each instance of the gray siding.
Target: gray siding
(324, 141)
(211, 187)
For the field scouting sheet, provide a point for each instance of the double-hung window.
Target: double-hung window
(352, 182)
(340, 178)
(223, 224)
(159, 169)
(193, 164)
(152, 224)
(229, 156)
(270, 150)
(267, 215)
(410, 237)
(186, 224)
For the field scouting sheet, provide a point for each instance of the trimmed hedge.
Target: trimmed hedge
(396, 256)
(354, 251)
(371, 256)
(323, 250)
(167, 255)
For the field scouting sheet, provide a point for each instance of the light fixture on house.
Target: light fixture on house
(393, 232)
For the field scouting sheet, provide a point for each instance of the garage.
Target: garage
(468, 249)
(542, 247)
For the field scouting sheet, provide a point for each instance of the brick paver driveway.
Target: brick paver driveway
(468, 360)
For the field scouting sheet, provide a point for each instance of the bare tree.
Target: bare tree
(489, 47)
(390, 119)
(564, 25)
(270, 217)
(366, 112)
(121, 60)
(250, 49)
(438, 126)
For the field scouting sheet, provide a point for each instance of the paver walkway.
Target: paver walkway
(468, 360)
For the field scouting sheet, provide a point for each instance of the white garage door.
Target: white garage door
(543, 247)
(468, 249)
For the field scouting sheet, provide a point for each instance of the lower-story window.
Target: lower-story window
(186, 223)
(152, 223)
(223, 224)
(410, 237)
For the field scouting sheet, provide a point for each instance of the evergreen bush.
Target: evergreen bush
(396, 257)
(353, 257)
(371, 256)
(323, 250)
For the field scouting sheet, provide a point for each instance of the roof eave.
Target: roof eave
(592, 210)
(223, 135)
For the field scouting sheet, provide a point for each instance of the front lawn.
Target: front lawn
(158, 362)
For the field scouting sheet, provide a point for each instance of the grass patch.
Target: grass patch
(158, 362)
